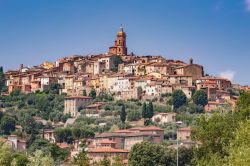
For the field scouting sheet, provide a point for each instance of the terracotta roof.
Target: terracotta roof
(185, 129)
(18, 127)
(94, 105)
(131, 134)
(3, 139)
(123, 131)
(106, 142)
(150, 128)
(78, 97)
(62, 145)
(107, 150)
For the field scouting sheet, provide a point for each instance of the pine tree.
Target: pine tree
(123, 114)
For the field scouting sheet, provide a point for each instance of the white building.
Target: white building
(164, 117)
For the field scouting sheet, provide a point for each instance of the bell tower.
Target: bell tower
(120, 47)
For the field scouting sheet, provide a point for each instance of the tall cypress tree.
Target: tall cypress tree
(123, 114)
(144, 111)
(150, 110)
(2, 79)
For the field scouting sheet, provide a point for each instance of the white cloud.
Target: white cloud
(229, 74)
(247, 3)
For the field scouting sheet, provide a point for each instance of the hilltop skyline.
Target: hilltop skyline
(214, 33)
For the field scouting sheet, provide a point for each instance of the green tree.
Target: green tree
(146, 154)
(76, 133)
(144, 111)
(92, 93)
(213, 133)
(64, 135)
(134, 115)
(150, 110)
(239, 148)
(200, 98)
(20, 160)
(118, 161)
(82, 158)
(123, 114)
(7, 124)
(84, 93)
(179, 98)
(139, 92)
(2, 80)
(41, 159)
(55, 88)
(104, 162)
(29, 125)
(6, 154)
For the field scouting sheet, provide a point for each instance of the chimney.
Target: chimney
(191, 61)
(21, 66)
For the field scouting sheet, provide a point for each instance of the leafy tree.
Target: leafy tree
(213, 133)
(123, 114)
(38, 144)
(41, 159)
(134, 115)
(6, 155)
(29, 125)
(239, 148)
(118, 161)
(20, 160)
(76, 133)
(55, 88)
(92, 93)
(56, 152)
(200, 98)
(46, 147)
(82, 159)
(150, 110)
(84, 93)
(146, 154)
(243, 102)
(63, 135)
(179, 98)
(7, 124)
(104, 162)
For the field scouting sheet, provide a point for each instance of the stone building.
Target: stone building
(73, 104)
(194, 70)
(184, 133)
(162, 118)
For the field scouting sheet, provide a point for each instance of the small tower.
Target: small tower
(191, 61)
(120, 44)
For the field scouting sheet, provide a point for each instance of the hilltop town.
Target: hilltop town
(121, 75)
(111, 102)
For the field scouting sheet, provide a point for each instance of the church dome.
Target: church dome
(121, 32)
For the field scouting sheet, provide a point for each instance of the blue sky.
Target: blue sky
(215, 33)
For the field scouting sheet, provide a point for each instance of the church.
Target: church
(119, 47)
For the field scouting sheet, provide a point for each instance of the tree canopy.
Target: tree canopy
(200, 98)
(179, 98)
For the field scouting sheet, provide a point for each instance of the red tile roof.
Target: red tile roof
(78, 97)
(107, 150)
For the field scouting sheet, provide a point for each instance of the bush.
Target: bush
(134, 115)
